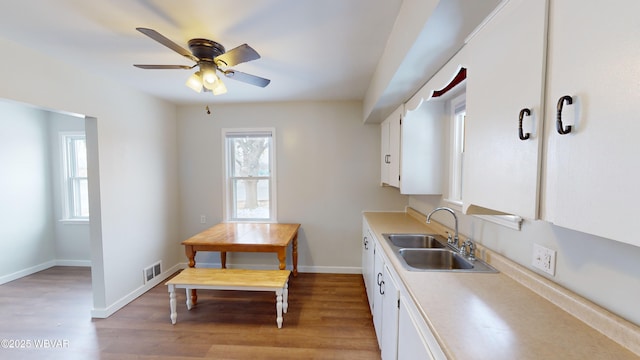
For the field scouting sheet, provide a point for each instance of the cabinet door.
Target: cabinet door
(367, 263)
(422, 149)
(592, 174)
(505, 76)
(395, 121)
(384, 152)
(378, 266)
(390, 303)
(411, 344)
(390, 148)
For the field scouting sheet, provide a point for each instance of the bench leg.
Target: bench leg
(279, 307)
(285, 297)
(189, 300)
(172, 303)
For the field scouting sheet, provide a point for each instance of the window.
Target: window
(458, 113)
(75, 185)
(250, 175)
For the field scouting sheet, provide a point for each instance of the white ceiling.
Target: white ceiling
(311, 49)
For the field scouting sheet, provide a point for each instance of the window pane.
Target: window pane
(80, 157)
(80, 198)
(251, 199)
(76, 205)
(250, 156)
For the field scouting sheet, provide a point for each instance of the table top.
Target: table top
(252, 234)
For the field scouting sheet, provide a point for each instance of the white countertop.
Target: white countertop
(492, 316)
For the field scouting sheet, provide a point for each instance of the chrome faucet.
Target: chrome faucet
(452, 243)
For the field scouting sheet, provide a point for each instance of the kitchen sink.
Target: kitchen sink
(416, 240)
(440, 260)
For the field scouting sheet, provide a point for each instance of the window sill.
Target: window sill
(74, 221)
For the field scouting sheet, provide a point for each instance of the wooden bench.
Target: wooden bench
(231, 279)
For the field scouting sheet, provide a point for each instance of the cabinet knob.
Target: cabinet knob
(563, 130)
(524, 112)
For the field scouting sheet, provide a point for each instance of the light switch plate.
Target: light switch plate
(544, 259)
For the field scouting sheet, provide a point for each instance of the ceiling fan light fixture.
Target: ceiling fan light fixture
(220, 88)
(194, 82)
(210, 80)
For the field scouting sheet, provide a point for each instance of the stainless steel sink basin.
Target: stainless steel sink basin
(416, 240)
(440, 260)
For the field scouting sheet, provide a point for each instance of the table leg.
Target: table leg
(191, 255)
(172, 304)
(223, 259)
(294, 253)
(282, 257)
(279, 308)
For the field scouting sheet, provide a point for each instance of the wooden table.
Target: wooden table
(246, 237)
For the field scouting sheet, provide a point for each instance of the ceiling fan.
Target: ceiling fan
(210, 57)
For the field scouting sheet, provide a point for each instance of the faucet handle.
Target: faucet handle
(449, 238)
(472, 249)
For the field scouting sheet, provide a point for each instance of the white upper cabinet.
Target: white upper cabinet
(412, 149)
(505, 80)
(422, 149)
(592, 177)
(390, 145)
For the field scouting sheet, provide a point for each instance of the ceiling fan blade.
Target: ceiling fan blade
(240, 54)
(168, 43)
(247, 78)
(163, 66)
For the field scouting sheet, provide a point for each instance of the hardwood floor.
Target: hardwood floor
(328, 318)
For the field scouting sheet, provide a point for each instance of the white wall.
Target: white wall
(134, 142)
(328, 172)
(27, 237)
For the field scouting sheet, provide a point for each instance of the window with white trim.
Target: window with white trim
(458, 114)
(249, 184)
(75, 185)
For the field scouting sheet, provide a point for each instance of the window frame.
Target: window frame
(228, 180)
(457, 105)
(457, 114)
(70, 180)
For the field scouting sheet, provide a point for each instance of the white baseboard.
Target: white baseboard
(79, 263)
(44, 266)
(122, 302)
(25, 272)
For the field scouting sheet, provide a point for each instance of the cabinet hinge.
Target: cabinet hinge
(398, 303)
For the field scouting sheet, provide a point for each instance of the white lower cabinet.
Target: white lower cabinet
(385, 307)
(415, 340)
(367, 263)
(400, 329)
(390, 304)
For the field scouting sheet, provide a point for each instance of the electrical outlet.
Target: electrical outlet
(203, 219)
(544, 259)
